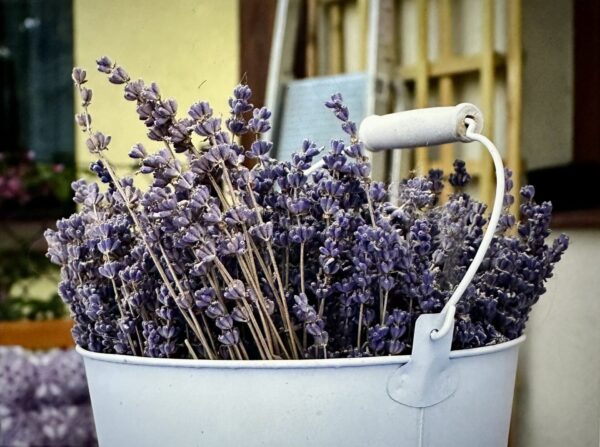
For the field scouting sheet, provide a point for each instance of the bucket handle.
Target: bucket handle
(430, 127)
(434, 126)
(429, 378)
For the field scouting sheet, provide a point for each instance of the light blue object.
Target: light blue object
(306, 116)
(140, 401)
(429, 377)
(434, 398)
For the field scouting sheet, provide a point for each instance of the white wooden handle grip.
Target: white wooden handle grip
(419, 127)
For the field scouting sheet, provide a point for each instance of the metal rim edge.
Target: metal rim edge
(285, 364)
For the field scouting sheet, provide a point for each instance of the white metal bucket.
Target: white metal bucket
(141, 401)
(432, 398)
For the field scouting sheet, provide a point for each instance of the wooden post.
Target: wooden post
(380, 71)
(486, 176)
(312, 66)
(256, 33)
(336, 38)
(514, 74)
(422, 79)
(281, 60)
(363, 18)
(446, 82)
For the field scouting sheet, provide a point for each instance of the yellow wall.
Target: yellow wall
(179, 44)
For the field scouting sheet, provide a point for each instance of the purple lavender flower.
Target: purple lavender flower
(44, 399)
(460, 177)
(118, 76)
(104, 64)
(217, 255)
(79, 76)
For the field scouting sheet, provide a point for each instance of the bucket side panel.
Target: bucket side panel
(478, 414)
(150, 406)
(319, 407)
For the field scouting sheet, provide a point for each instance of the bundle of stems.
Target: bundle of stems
(231, 254)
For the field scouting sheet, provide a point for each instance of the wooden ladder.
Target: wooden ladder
(446, 71)
(391, 83)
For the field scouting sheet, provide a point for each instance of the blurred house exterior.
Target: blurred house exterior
(186, 43)
(199, 49)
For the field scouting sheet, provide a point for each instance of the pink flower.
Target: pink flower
(14, 186)
(11, 188)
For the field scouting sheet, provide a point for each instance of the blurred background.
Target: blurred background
(531, 66)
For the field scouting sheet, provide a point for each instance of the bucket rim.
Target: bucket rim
(285, 364)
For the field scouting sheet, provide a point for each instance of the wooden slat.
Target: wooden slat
(445, 32)
(422, 78)
(281, 60)
(311, 38)
(589, 219)
(363, 18)
(336, 38)
(421, 75)
(487, 95)
(449, 65)
(446, 82)
(381, 66)
(256, 33)
(514, 93)
(456, 65)
(37, 334)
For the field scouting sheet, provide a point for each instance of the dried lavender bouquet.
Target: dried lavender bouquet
(219, 260)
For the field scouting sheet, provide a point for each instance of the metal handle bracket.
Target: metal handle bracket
(429, 377)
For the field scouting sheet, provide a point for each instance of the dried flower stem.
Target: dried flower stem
(261, 338)
(139, 227)
(283, 308)
(279, 294)
(190, 349)
(384, 306)
(249, 270)
(262, 304)
(251, 324)
(360, 317)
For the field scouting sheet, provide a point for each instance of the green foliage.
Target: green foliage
(30, 192)
(19, 265)
(32, 309)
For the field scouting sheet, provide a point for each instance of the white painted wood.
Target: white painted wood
(281, 57)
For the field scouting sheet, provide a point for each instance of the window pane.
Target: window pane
(36, 57)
